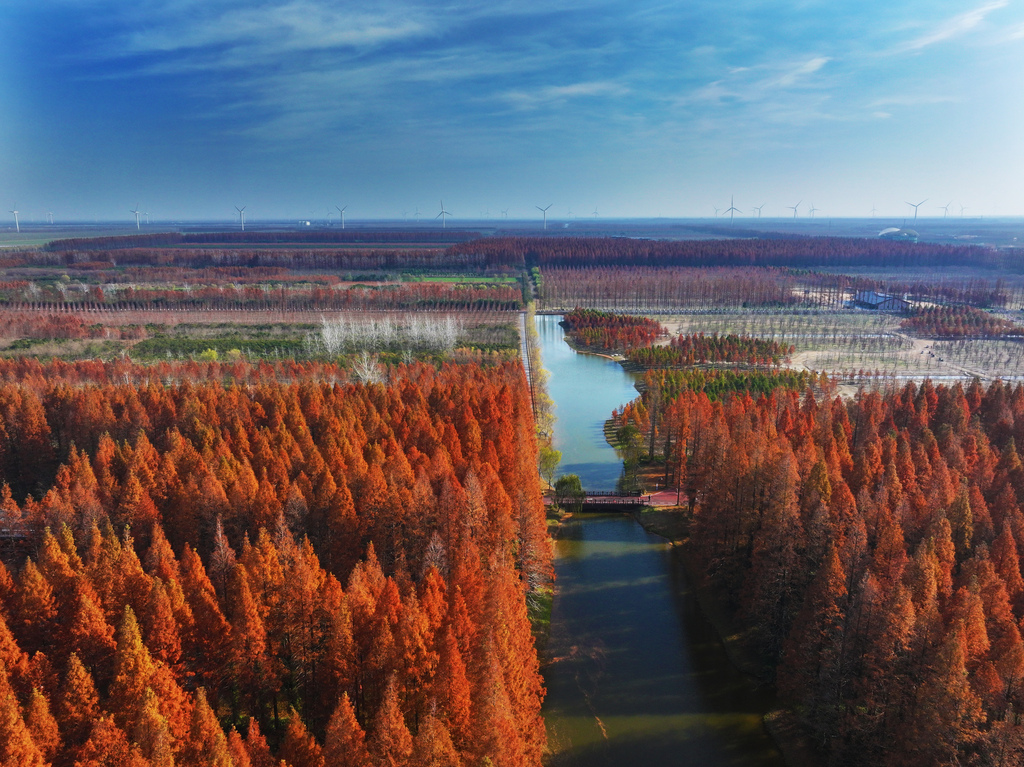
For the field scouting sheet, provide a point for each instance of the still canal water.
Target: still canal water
(639, 677)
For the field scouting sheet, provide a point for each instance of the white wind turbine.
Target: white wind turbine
(50, 215)
(545, 212)
(17, 226)
(873, 211)
(136, 212)
(342, 212)
(945, 208)
(758, 209)
(915, 207)
(147, 219)
(732, 210)
(814, 210)
(241, 215)
(716, 210)
(794, 207)
(962, 209)
(442, 215)
(504, 213)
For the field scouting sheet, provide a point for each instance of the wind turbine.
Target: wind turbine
(813, 210)
(716, 210)
(915, 207)
(732, 210)
(147, 220)
(442, 215)
(342, 212)
(136, 212)
(241, 215)
(50, 214)
(17, 226)
(545, 212)
(504, 213)
(962, 209)
(873, 211)
(945, 208)
(758, 209)
(596, 214)
(794, 207)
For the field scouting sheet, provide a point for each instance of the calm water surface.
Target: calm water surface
(585, 389)
(638, 676)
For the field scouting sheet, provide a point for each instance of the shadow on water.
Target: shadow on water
(637, 674)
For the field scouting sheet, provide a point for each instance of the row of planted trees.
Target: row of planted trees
(320, 573)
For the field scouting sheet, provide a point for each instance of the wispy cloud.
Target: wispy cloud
(954, 27)
(559, 94)
(802, 70)
(905, 100)
(279, 30)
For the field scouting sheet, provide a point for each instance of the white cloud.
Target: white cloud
(954, 27)
(906, 100)
(299, 25)
(557, 94)
(802, 70)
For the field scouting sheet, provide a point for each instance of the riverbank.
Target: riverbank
(673, 524)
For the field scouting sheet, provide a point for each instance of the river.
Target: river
(637, 674)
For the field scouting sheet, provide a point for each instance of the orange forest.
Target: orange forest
(264, 566)
(872, 549)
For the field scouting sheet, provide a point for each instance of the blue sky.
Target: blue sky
(634, 108)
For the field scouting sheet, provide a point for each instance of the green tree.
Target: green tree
(548, 459)
(569, 492)
(630, 442)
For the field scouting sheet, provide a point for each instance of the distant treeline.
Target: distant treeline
(794, 253)
(467, 248)
(171, 239)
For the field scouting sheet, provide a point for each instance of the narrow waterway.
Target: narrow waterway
(637, 675)
(585, 389)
